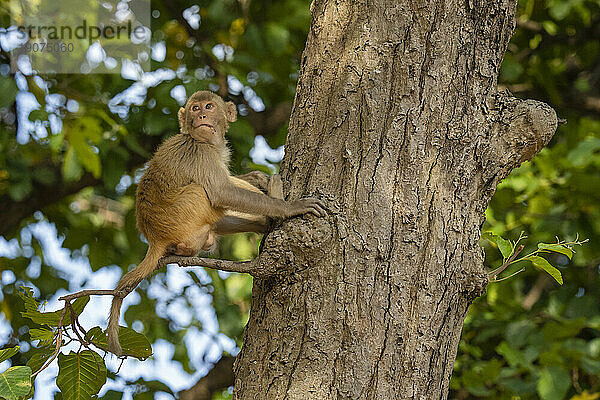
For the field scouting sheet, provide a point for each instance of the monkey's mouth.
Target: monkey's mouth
(206, 125)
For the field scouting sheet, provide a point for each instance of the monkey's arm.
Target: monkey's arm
(235, 222)
(236, 198)
(240, 223)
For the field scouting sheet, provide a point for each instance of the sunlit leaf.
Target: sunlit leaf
(553, 384)
(585, 395)
(80, 375)
(557, 248)
(45, 336)
(584, 153)
(15, 382)
(49, 318)
(71, 168)
(543, 264)
(5, 354)
(505, 246)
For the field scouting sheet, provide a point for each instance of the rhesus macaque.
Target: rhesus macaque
(187, 194)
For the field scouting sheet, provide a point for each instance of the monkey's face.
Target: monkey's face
(206, 121)
(206, 117)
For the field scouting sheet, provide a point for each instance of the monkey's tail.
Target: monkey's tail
(126, 285)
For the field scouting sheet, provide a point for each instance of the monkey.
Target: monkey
(187, 195)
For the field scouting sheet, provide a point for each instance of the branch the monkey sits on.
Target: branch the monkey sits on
(187, 195)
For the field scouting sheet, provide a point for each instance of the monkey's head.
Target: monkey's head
(206, 117)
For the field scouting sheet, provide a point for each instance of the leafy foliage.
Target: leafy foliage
(48, 318)
(528, 336)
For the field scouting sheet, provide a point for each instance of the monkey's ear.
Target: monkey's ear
(181, 116)
(231, 111)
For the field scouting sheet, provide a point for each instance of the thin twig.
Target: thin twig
(58, 344)
(501, 268)
(510, 276)
(87, 292)
(73, 322)
(121, 364)
(80, 327)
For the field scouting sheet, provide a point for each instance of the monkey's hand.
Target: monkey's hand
(306, 206)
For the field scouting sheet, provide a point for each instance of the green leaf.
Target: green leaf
(36, 115)
(584, 152)
(20, 190)
(277, 37)
(559, 9)
(151, 387)
(5, 354)
(97, 337)
(87, 157)
(112, 395)
(71, 168)
(48, 318)
(39, 357)
(553, 384)
(134, 344)
(85, 128)
(557, 248)
(80, 375)
(543, 264)
(511, 68)
(590, 366)
(56, 141)
(113, 171)
(15, 382)
(554, 331)
(505, 246)
(45, 336)
(134, 145)
(9, 91)
(550, 27)
(517, 357)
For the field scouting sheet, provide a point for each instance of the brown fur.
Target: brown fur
(186, 192)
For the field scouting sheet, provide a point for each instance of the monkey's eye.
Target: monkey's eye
(208, 106)
(195, 108)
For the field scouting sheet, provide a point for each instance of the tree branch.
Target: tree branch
(493, 274)
(219, 377)
(536, 291)
(519, 129)
(269, 121)
(13, 212)
(525, 126)
(248, 267)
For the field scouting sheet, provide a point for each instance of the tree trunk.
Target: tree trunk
(397, 125)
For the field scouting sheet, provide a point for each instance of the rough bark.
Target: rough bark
(398, 126)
